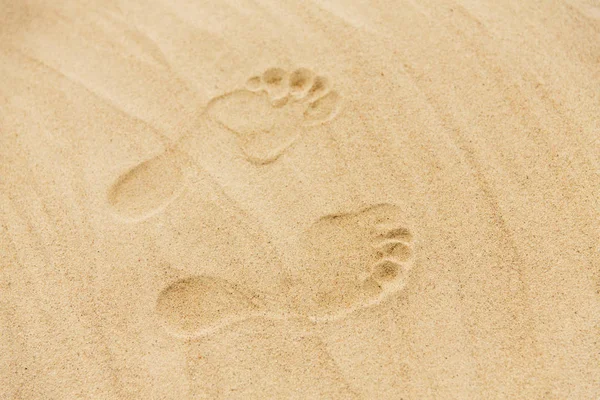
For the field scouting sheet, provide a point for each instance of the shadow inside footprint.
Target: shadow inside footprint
(274, 110)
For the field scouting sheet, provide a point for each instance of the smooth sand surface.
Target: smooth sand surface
(275, 199)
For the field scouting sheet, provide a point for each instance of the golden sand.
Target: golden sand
(324, 199)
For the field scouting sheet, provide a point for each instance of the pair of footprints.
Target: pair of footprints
(266, 117)
(349, 261)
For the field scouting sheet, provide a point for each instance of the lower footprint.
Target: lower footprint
(350, 261)
(274, 110)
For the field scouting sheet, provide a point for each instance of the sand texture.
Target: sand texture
(320, 199)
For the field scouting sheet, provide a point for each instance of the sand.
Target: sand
(324, 199)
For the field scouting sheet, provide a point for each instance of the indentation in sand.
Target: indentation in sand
(274, 109)
(354, 260)
(198, 305)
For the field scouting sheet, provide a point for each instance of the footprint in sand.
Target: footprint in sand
(274, 110)
(267, 117)
(350, 261)
(199, 305)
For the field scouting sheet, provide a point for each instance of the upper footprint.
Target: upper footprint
(350, 261)
(274, 109)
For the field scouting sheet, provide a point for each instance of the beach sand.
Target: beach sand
(323, 199)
